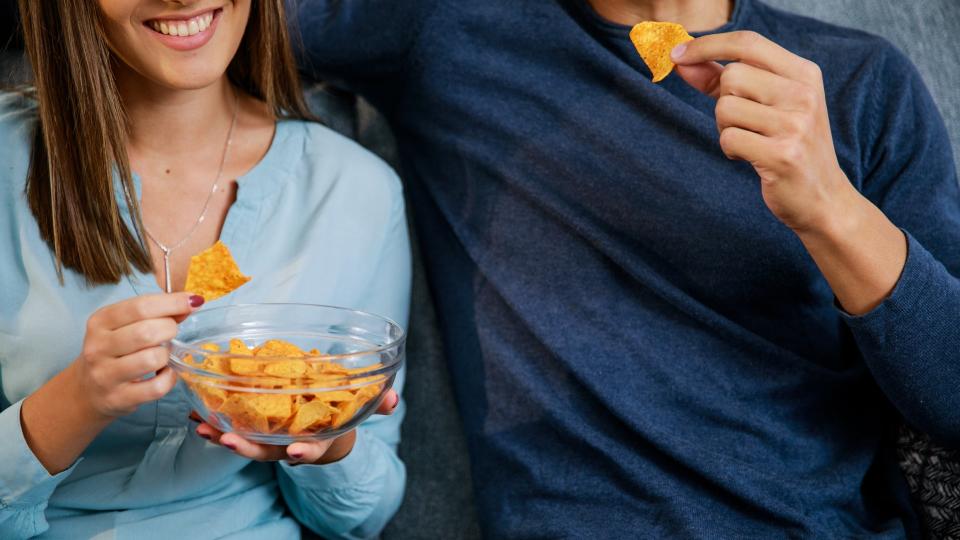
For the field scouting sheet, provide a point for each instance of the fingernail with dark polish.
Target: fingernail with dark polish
(196, 301)
(396, 401)
(296, 455)
(230, 445)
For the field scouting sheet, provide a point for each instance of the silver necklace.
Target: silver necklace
(167, 250)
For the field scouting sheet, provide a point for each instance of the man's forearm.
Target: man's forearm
(860, 252)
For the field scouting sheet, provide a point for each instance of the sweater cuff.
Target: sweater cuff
(911, 290)
(363, 465)
(24, 481)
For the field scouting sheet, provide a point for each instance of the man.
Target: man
(683, 309)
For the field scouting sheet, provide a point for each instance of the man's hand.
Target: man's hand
(772, 111)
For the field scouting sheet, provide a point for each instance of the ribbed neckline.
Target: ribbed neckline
(740, 10)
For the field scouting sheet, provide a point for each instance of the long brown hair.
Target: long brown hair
(80, 140)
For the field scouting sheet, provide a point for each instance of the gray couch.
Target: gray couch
(439, 502)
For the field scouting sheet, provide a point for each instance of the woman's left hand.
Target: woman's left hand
(304, 452)
(771, 111)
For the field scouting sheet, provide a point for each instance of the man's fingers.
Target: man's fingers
(140, 308)
(704, 77)
(739, 143)
(733, 111)
(746, 81)
(743, 46)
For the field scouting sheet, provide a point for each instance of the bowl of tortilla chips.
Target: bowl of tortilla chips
(279, 373)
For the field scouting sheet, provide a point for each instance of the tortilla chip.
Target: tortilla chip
(310, 416)
(290, 368)
(349, 409)
(654, 41)
(279, 349)
(296, 414)
(335, 396)
(213, 273)
(239, 409)
(212, 397)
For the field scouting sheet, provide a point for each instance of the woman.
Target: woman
(158, 127)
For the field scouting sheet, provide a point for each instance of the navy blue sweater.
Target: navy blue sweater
(639, 347)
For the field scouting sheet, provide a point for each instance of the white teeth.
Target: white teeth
(189, 27)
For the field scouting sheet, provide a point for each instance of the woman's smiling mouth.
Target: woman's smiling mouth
(185, 33)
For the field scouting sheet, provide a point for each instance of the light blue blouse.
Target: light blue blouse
(318, 220)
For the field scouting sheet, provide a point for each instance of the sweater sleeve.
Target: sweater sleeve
(25, 485)
(359, 45)
(911, 341)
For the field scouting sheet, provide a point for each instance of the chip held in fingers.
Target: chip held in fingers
(654, 41)
(213, 273)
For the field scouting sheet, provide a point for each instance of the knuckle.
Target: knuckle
(807, 97)
(139, 309)
(789, 152)
(795, 124)
(727, 137)
(89, 350)
(146, 333)
(168, 329)
(725, 103)
(811, 70)
(748, 38)
(158, 358)
(731, 72)
(159, 386)
(724, 109)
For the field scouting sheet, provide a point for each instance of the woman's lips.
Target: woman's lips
(185, 34)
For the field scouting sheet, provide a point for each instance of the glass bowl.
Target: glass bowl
(243, 376)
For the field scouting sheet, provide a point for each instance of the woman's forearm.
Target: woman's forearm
(860, 252)
(57, 424)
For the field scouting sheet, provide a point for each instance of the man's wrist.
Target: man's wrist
(841, 217)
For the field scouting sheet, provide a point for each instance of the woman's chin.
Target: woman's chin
(181, 79)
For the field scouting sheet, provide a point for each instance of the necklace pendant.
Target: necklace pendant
(166, 272)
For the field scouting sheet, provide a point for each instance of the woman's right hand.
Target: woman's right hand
(123, 364)
(124, 346)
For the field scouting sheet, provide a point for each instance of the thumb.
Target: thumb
(704, 77)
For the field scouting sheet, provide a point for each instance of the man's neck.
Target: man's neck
(175, 123)
(694, 15)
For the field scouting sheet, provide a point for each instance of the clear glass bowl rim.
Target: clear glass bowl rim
(383, 370)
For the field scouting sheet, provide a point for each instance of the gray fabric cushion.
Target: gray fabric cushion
(925, 30)
(439, 497)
